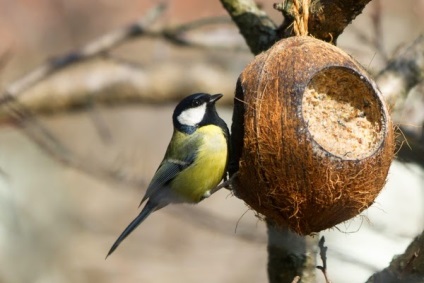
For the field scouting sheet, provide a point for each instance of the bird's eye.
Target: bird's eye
(195, 102)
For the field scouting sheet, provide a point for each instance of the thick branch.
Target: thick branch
(290, 255)
(405, 268)
(329, 18)
(257, 28)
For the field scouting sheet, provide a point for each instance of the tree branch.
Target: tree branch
(257, 28)
(403, 72)
(405, 268)
(109, 41)
(329, 18)
(116, 81)
(397, 81)
(43, 137)
(290, 255)
(94, 48)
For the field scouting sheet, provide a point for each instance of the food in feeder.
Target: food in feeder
(341, 118)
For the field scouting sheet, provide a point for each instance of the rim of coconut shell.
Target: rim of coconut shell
(376, 95)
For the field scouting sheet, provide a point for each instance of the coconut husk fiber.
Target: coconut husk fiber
(317, 138)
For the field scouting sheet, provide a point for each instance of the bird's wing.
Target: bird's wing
(173, 163)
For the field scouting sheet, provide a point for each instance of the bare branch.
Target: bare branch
(399, 82)
(257, 28)
(108, 82)
(329, 18)
(56, 99)
(323, 256)
(403, 72)
(405, 268)
(94, 48)
(290, 255)
(177, 35)
(43, 137)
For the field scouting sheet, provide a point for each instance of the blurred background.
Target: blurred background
(72, 175)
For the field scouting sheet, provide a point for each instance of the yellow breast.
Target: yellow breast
(209, 167)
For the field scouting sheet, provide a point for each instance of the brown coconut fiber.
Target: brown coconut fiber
(318, 140)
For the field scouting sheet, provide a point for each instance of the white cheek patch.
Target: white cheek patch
(192, 116)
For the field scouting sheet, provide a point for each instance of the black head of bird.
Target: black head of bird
(195, 111)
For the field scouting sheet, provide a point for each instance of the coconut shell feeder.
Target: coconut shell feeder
(317, 137)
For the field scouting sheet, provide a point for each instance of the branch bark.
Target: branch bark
(107, 81)
(329, 18)
(94, 48)
(399, 81)
(257, 28)
(405, 268)
(403, 72)
(290, 255)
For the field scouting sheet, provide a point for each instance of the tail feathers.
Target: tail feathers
(149, 208)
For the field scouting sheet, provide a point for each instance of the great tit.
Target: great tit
(195, 161)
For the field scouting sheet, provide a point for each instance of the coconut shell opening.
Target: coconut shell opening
(343, 113)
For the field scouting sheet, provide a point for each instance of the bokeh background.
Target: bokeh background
(58, 220)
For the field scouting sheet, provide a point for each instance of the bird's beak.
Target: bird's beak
(214, 98)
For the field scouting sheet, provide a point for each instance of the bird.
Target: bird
(195, 161)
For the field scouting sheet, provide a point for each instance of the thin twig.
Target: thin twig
(92, 49)
(177, 35)
(104, 44)
(43, 137)
(202, 22)
(323, 256)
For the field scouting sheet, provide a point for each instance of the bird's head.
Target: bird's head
(194, 111)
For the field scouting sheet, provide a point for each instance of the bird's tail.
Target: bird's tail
(145, 212)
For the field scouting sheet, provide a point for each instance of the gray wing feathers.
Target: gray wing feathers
(172, 165)
(167, 171)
